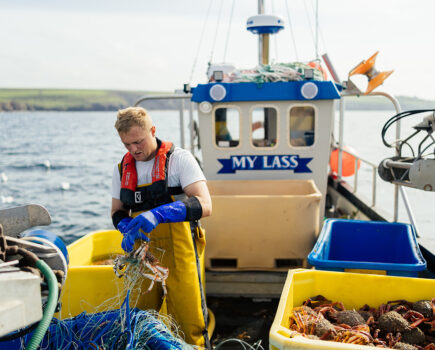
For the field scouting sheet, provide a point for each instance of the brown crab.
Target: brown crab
(149, 266)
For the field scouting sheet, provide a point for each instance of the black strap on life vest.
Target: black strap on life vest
(140, 198)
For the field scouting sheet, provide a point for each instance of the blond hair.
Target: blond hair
(132, 116)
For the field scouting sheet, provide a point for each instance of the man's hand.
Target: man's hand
(122, 225)
(130, 236)
(145, 221)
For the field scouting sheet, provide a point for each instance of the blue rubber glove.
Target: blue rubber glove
(122, 225)
(129, 239)
(147, 221)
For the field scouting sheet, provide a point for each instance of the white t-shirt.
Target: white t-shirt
(183, 170)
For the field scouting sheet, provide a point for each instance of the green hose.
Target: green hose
(53, 293)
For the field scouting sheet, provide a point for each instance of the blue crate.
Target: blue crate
(371, 246)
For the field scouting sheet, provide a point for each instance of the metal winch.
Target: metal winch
(24, 290)
(417, 170)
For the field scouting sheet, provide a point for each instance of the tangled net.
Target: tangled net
(120, 327)
(274, 72)
(141, 263)
(116, 329)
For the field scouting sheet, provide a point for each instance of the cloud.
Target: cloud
(145, 45)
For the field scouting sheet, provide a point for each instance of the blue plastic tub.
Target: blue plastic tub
(367, 246)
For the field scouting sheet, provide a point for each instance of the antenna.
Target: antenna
(317, 29)
(264, 25)
(331, 68)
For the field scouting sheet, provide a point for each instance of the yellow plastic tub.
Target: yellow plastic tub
(92, 285)
(352, 289)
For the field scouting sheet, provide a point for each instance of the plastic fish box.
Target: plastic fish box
(261, 224)
(368, 247)
(352, 289)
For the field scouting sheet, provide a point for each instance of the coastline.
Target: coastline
(113, 100)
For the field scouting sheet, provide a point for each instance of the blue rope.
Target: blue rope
(123, 328)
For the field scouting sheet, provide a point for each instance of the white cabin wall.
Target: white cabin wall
(319, 151)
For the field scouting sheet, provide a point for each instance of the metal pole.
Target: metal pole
(340, 137)
(162, 97)
(265, 49)
(396, 187)
(331, 68)
(192, 141)
(408, 209)
(260, 7)
(317, 29)
(355, 183)
(374, 187)
(183, 143)
(260, 36)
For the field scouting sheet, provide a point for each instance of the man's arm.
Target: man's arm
(120, 217)
(116, 205)
(199, 189)
(196, 206)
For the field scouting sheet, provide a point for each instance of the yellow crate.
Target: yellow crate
(90, 287)
(352, 289)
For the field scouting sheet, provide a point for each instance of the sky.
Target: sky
(160, 45)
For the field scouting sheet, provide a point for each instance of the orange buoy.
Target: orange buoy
(347, 161)
(316, 65)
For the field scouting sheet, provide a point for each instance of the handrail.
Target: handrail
(397, 188)
(374, 169)
(176, 96)
(162, 97)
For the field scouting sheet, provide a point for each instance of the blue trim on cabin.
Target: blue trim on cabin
(277, 91)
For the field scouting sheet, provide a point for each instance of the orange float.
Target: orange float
(316, 65)
(347, 161)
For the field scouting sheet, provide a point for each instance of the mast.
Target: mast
(317, 29)
(263, 40)
(264, 25)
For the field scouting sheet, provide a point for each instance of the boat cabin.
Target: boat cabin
(265, 152)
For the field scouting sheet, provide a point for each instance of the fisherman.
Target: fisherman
(159, 192)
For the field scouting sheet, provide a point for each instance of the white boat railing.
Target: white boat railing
(374, 167)
(397, 188)
(187, 96)
(182, 97)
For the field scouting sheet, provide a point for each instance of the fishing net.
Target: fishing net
(275, 72)
(117, 323)
(125, 328)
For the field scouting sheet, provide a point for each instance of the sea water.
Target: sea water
(64, 161)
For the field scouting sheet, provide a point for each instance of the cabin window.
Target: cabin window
(227, 127)
(264, 127)
(302, 126)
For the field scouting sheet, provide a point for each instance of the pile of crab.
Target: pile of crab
(397, 324)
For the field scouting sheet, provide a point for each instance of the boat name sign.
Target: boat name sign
(267, 162)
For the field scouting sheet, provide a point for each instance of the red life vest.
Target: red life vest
(157, 193)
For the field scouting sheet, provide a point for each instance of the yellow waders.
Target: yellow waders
(176, 249)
